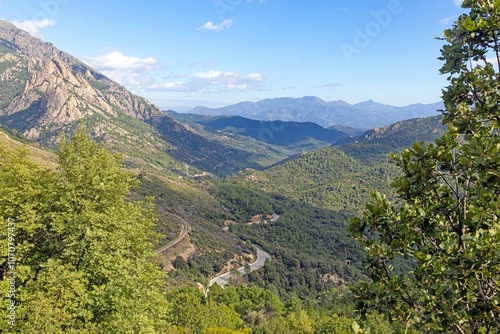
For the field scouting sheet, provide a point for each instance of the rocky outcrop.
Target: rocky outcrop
(45, 92)
(56, 89)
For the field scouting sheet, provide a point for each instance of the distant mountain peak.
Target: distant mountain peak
(367, 114)
(368, 103)
(312, 98)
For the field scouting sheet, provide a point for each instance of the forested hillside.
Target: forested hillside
(314, 196)
(342, 178)
(84, 262)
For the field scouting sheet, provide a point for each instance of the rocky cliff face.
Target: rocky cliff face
(44, 90)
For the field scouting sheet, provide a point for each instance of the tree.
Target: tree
(179, 263)
(83, 252)
(446, 222)
(191, 310)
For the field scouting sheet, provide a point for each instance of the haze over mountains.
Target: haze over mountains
(368, 114)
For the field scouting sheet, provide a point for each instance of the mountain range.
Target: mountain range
(45, 92)
(287, 134)
(368, 114)
(305, 159)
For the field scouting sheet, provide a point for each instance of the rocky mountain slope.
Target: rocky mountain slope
(56, 89)
(45, 91)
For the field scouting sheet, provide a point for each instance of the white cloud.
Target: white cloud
(458, 2)
(34, 27)
(116, 60)
(213, 81)
(132, 72)
(226, 24)
(143, 75)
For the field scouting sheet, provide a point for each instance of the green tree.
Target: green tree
(84, 252)
(299, 322)
(191, 310)
(179, 262)
(446, 224)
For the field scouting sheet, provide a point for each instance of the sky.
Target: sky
(185, 53)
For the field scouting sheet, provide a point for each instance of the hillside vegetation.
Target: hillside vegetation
(342, 178)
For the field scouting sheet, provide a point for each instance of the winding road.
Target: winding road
(223, 279)
(174, 242)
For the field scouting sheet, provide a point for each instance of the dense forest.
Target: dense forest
(82, 252)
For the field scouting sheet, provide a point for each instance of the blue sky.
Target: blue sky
(218, 52)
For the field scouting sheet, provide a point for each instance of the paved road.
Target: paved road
(177, 240)
(223, 279)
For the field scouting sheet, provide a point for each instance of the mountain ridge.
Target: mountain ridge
(58, 89)
(290, 134)
(367, 114)
(45, 92)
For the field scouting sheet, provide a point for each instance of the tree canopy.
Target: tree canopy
(77, 255)
(446, 222)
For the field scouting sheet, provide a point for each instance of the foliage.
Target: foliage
(253, 309)
(243, 202)
(447, 220)
(178, 200)
(82, 256)
(311, 249)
